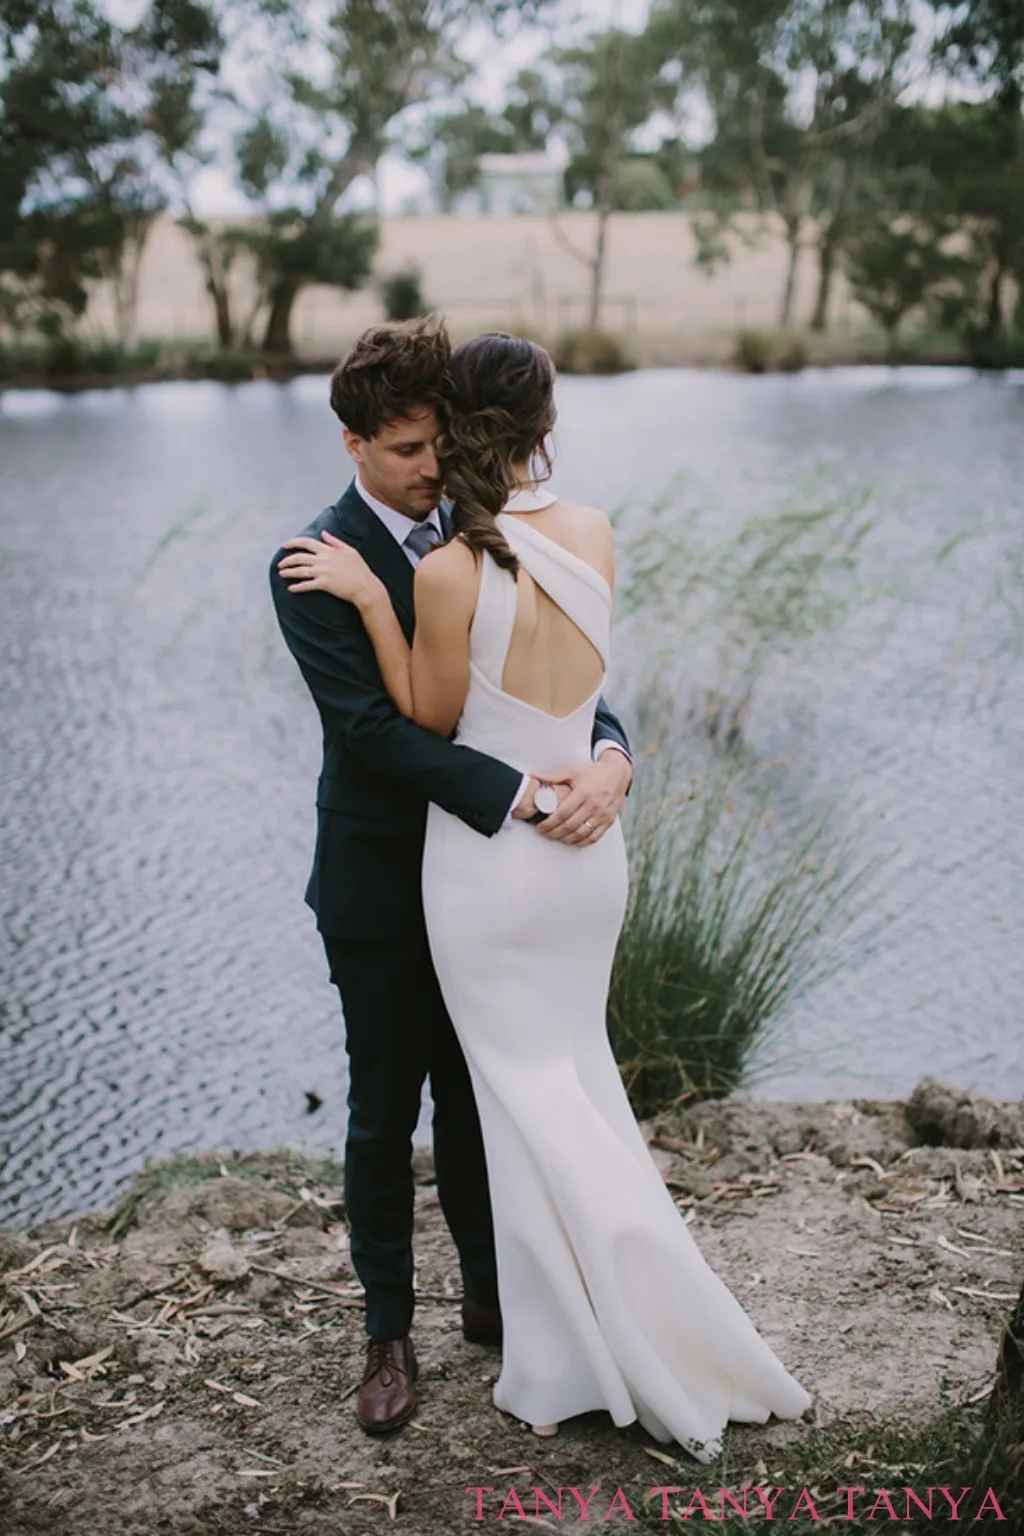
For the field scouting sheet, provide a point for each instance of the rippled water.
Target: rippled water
(163, 987)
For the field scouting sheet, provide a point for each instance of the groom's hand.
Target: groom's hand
(597, 791)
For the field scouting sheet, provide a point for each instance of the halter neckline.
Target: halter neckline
(529, 499)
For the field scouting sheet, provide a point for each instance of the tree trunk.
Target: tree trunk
(126, 298)
(222, 308)
(277, 335)
(597, 269)
(789, 291)
(123, 274)
(215, 273)
(826, 272)
(891, 332)
(828, 245)
(995, 302)
(605, 186)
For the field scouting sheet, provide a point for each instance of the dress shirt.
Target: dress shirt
(397, 524)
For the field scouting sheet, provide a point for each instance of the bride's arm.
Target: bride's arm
(446, 590)
(428, 682)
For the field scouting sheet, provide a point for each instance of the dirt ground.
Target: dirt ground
(191, 1369)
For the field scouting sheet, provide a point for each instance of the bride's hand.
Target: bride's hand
(328, 566)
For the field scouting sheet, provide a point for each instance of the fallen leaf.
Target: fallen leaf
(943, 1242)
(659, 1456)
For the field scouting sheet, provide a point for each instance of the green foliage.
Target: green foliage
(639, 184)
(799, 95)
(322, 128)
(894, 270)
(753, 350)
(590, 351)
(459, 139)
(401, 294)
(729, 918)
(762, 351)
(85, 106)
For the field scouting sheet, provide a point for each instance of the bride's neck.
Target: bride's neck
(524, 479)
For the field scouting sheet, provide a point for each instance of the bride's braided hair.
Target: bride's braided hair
(498, 416)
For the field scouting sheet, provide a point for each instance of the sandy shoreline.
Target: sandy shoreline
(190, 1370)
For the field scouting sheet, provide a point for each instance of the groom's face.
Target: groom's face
(399, 464)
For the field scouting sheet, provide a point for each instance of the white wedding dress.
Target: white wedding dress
(607, 1302)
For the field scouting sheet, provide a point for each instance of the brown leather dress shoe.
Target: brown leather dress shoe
(481, 1324)
(386, 1396)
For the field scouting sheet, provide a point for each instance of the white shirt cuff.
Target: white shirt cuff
(607, 744)
(520, 792)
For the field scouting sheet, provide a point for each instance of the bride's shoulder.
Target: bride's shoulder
(586, 520)
(586, 531)
(449, 572)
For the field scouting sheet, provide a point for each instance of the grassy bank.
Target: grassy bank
(74, 366)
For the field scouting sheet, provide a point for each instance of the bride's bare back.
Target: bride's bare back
(551, 664)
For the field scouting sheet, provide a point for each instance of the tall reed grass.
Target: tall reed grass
(731, 917)
(735, 909)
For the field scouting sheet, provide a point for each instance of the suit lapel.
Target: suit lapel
(360, 526)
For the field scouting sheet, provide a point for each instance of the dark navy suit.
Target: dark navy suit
(379, 772)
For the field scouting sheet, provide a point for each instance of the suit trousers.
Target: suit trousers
(398, 1034)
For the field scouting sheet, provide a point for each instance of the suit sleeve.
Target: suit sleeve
(335, 656)
(608, 727)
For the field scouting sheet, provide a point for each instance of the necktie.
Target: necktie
(422, 539)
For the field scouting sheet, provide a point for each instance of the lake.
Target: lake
(163, 986)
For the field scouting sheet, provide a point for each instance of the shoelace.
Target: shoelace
(383, 1363)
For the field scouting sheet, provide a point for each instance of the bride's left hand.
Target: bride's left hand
(329, 565)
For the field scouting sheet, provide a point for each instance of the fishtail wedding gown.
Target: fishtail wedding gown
(606, 1300)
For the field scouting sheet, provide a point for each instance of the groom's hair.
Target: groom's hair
(391, 371)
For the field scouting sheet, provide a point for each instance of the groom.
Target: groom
(379, 772)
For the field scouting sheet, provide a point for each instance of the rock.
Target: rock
(221, 1260)
(423, 1165)
(942, 1116)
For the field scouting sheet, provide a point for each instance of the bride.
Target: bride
(607, 1303)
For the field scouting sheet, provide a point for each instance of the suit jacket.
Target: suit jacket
(380, 769)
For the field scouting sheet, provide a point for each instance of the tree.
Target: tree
(982, 42)
(940, 170)
(608, 87)
(69, 193)
(524, 124)
(304, 150)
(893, 270)
(459, 139)
(179, 48)
(797, 90)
